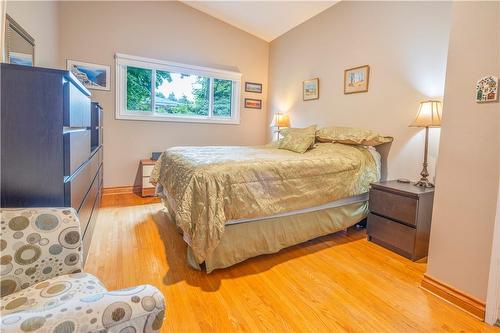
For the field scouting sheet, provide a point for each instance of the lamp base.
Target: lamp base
(424, 183)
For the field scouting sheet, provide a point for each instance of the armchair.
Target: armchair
(43, 288)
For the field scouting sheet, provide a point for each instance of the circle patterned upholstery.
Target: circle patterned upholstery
(41, 243)
(43, 290)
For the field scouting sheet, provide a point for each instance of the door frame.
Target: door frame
(493, 294)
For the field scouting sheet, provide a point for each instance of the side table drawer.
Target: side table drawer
(398, 236)
(146, 170)
(146, 183)
(395, 206)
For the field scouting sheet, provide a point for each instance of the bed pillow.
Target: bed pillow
(298, 140)
(351, 136)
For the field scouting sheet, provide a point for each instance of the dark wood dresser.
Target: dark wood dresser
(400, 218)
(51, 143)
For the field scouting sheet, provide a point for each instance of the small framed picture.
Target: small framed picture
(251, 103)
(19, 58)
(356, 79)
(487, 89)
(310, 89)
(253, 87)
(92, 76)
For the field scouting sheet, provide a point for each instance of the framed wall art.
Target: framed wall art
(356, 79)
(253, 87)
(92, 76)
(310, 89)
(487, 89)
(251, 103)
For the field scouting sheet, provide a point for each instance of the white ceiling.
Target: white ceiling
(264, 19)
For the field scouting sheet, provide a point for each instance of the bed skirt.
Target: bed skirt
(242, 241)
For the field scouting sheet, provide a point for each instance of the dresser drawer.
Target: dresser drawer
(100, 175)
(79, 184)
(399, 237)
(76, 150)
(88, 205)
(87, 238)
(394, 206)
(76, 107)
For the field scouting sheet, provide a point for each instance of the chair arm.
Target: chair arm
(137, 309)
(38, 244)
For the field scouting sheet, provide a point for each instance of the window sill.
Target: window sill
(176, 119)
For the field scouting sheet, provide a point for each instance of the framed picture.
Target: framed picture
(19, 44)
(356, 79)
(92, 76)
(487, 89)
(253, 87)
(251, 103)
(310, 89)
(18, 58)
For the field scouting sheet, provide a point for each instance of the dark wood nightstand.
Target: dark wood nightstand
(400, 218)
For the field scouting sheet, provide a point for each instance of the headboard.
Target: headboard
(383, 150)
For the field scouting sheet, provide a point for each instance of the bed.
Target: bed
(234, 203)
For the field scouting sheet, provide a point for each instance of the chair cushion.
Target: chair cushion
(136, 309)
(51, 294)
(37, 244)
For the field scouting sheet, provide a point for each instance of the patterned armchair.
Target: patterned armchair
(44, 290)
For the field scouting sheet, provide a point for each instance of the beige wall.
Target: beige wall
(41, 20)
(95, 31)
(405, 45)
(468, 167)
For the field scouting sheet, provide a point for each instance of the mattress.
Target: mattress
(211, 186)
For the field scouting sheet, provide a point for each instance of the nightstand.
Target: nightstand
(400, 218)
(146, 167)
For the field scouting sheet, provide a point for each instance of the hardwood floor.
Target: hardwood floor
(338, 283)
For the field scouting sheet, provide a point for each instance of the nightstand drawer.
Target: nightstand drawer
(399, 237)
(146, 170)
(146, 183)
(394, 206)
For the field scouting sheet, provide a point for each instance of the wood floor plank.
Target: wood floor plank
(337, 283)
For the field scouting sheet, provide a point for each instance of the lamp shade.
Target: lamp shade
(280, 120)
(428, 115)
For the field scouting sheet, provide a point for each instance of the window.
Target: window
(150, 89)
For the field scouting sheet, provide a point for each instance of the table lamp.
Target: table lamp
(428, 115)
(280, 120)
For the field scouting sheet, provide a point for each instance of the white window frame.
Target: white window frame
(124, 60)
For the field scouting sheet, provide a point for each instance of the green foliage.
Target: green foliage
(139, 94)
(139, 89)
(222, 97)
(162, 76)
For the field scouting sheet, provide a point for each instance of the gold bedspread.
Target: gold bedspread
(212, 185)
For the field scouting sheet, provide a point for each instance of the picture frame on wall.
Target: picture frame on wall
(93, 76)
(487, 89)
(310, 89)
(356, 80)
(252, 103)
(253, 87)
